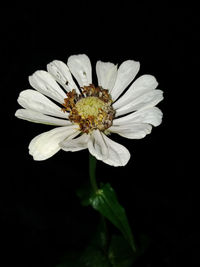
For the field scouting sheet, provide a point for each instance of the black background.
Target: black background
(40, 213)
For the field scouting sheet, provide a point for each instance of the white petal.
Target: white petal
(80, 67)
(62, 75)
(76, 144)
(126, 73)
(43, 82)
(132, 131)
(46, 144)
(106, 74)
(118, 155)
(151, 115)
(140, 86)
(97, 146)
(34, 116)
(31, 99)
(148, 99)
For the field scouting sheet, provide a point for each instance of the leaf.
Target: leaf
(105, 201)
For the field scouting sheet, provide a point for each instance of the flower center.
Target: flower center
(91, 109)
(89, 106)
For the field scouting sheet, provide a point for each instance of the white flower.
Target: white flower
(90, 113)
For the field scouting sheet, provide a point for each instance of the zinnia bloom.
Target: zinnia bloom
(87, 115)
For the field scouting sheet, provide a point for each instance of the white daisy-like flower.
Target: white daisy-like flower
(89, 114)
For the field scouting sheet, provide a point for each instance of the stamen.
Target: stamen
(92, 111)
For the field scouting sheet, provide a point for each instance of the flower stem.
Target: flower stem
(92, 170)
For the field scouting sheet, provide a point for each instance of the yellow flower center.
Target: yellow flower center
(90, 110)
(89, 106)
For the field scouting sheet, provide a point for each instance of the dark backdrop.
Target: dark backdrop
(40, 213)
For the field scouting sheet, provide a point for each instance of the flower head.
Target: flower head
(86, 114)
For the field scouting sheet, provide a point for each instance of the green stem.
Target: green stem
(92, 172)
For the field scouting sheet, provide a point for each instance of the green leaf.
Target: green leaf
(105, 201)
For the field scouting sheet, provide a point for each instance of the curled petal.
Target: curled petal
(97, 146)
(118, 155)
(76, 144)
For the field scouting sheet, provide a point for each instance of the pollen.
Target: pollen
(90, 106)
(92, 109)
